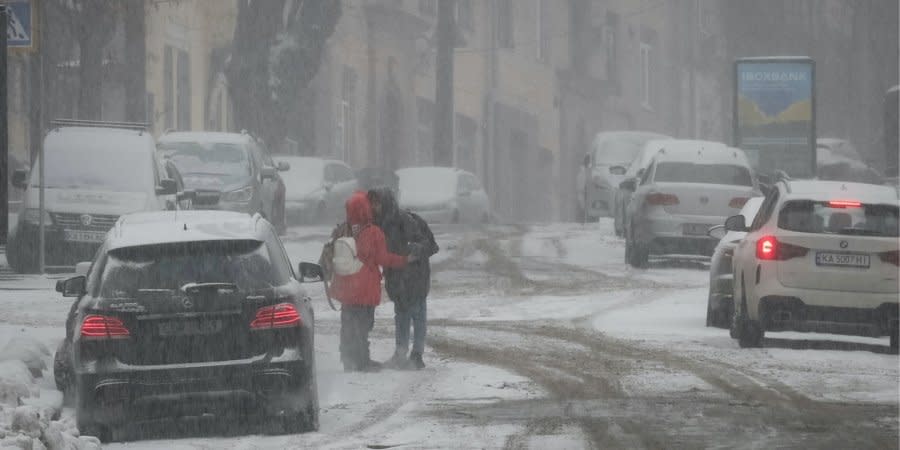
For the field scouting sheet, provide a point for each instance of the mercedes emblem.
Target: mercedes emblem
(187, 303)
(844, 244)
(87, 220)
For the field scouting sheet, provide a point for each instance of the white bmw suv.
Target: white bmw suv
(820, 256)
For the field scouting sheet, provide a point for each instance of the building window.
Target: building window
(464, 14)
(183, 89)
(425, 130)
(346, 116)
(466, 137)
(543, 37)
(428, 7)
(177, 88)
(505, 32)
(610, 33)
(646, 75)
(169, 87)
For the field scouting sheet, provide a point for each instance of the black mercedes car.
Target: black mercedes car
(193, 314)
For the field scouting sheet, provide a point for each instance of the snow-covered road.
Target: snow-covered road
(540, 337)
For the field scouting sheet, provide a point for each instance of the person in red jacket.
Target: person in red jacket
(360, 292)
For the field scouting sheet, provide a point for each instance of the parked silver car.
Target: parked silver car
(635, 171)
(444, 195)
(689, 187)
(720, 302)
(604, 168)
(316, 189)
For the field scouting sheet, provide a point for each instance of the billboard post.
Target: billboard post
(775, 114)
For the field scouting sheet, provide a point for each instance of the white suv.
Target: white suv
(820, 256)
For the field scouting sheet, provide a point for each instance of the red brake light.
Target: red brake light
(767, 248)
(890, 257)
(282, 315)
(660, 199)
(844, 204)
(104, 327)
(738, 202)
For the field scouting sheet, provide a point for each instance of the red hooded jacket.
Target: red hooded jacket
(364, 287)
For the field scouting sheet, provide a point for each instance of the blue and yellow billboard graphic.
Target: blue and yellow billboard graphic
(775, 114)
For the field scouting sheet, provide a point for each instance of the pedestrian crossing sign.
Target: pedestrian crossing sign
(21, 24)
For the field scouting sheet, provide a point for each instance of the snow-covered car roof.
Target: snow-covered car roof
(206, 137)
(165, 227)
(87, 137)
(706, 152)
(821, 190)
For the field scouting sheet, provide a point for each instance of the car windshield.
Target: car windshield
(247, 264)
(208, 158)
(620, 150)
(839, 217)
(86, 167)
(688, 172)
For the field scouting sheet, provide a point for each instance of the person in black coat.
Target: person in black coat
(406, 234)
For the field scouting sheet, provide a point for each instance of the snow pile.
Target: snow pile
(27, 411)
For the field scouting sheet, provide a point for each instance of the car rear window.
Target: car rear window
(245, 263)
(848, 218)
(688, 172)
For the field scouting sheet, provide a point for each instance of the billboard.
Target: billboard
(774, 114)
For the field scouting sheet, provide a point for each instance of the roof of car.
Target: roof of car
(432, 169)
(206, 137)
(840, 190)
(708, 152)
(93, 134)
(164, 227)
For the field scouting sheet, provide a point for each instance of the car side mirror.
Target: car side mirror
(167, 186)
(327, 185)
(617, 170)
(736, 223)
(716, 232)
(283, 166)
(267, 173)
(20, 178)
(629, 185)
(72, 287)
(310, 273)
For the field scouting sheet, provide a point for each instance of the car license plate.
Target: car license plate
(190, 327)
(842, 259)
(695, 229)
(84, 236)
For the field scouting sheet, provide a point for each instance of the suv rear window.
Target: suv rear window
(688, 172)
(808, 216)
(247, 264)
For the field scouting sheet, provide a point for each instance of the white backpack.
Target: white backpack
(345, 260)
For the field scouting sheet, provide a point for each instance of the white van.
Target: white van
(94, 173)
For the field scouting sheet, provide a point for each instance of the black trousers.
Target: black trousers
(356, 323)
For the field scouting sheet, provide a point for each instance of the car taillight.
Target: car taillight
(282, 315)
(104, 327)
(890, 257)
(769, 249)
(844, 204)
(766, 248)
(660, 199)
(738, 202)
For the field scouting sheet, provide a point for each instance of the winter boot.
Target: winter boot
(416, 359)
